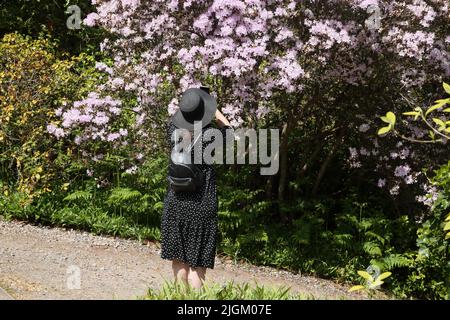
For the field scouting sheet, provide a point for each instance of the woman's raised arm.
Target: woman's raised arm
(221, 120)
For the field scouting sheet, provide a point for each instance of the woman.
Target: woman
(189, 225)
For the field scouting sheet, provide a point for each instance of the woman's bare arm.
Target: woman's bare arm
(221, 120)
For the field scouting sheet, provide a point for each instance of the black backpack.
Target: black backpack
(184, 175)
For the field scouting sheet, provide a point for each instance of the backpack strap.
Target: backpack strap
(193, 144)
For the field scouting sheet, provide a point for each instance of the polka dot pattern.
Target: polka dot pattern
(189, 224)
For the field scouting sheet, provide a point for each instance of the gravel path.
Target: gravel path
(44, 263)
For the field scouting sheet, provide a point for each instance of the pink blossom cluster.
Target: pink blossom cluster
(265, 46)
(91, 118)
(260, 56)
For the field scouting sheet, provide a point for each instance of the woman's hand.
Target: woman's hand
(221, 120)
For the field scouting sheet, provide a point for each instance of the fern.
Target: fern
(78, 195)
(366, 224)
(120, 195)
(392, 261)
(303, 232)
(259, 235)
(371, 248)
(373, 235)
(344, 240)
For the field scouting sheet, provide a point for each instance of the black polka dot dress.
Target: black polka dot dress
(189, 225)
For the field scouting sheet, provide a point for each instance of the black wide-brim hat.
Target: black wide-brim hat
(195, 105)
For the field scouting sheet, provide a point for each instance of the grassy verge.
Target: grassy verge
(227, 291)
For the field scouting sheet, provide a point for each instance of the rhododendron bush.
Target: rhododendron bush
(316, 69)
(358, 89)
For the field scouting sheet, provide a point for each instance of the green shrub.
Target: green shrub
(34, 81)
(35, 17)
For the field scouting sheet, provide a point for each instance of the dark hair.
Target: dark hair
(206, 89)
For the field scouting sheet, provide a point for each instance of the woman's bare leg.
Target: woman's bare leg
(197, 277)
(180, 271)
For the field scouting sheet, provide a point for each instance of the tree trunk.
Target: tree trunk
(327, 161)
(282, 184)
(269, 187)
(305, 165)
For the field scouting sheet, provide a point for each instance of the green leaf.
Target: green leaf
(356, 288)
(384, 275)
(389, 118)
(447, 236)
(365, 275)
(384, 130)
(411, 113)
(443, 101)
(447, 226)
(372, 248)
(446, 110)
(447, 218)
(78, 195)
(446, 87)
(440, 123)
(439, 104)
(375, 284)
(120, 195)
(435, 107)
(416, 113)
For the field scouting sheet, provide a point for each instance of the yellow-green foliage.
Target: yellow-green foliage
(447, 227)
(33, 82)
(228, 291)
(371, 282)
(439, 126)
